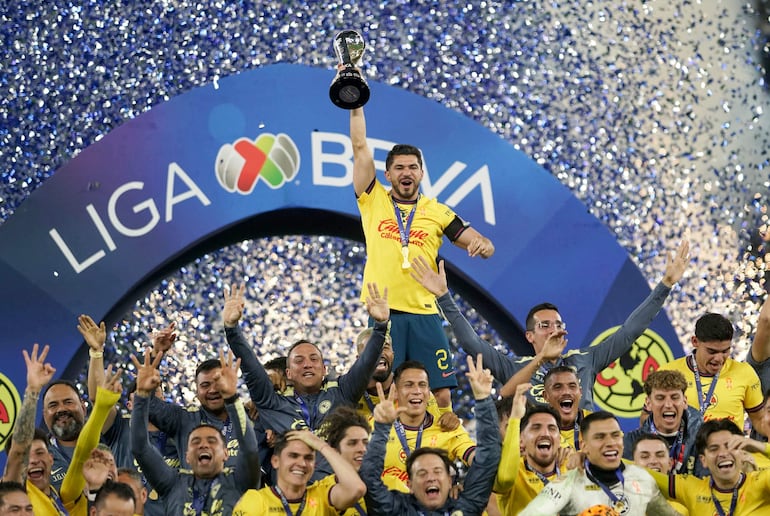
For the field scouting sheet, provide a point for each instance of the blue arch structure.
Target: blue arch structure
(254, 155)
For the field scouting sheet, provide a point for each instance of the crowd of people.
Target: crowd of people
(382, 438)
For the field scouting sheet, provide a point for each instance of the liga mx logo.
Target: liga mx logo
(274, 159)
(620, 387)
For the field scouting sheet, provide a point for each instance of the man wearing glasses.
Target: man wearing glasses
(546, 331)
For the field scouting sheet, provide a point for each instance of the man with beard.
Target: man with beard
(428, 468)
(728, 490)
(536, 430)
(562, 391)
(605, 479)
(207, 487)
(415, 427)
(399, 225)
(311, 396)
(718, 386)
(671, 418)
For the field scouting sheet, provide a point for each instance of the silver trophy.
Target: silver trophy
(349, 89)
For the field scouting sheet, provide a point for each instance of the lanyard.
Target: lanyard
(201, 497)
(576, 429)
(703, 402)
(676, 451)
(285, 502)
(403, 230)
(618, 502)
(543, 478)
(359, 509)
(401, 433)
(369, 401)
(56, 500)
(306, 413)
(734, 500)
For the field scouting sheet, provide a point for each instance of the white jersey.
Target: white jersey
(574, 492)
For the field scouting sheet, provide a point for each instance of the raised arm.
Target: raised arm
(247, 470)
(353, 384)
(481, 475)
(552, 349)
(760, 347)
(159, 474)
(363, 159)
(380, 500)
(39, 373)
(95, 336)
(501, 366)
(257, 380)
(511, 454)
(620, 342)
(106, 398)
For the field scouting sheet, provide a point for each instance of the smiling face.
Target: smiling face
(294, 466)
(603, 443)
(541, 440)
(16, 503)
(404, 175)
(722, 462)
(653, 454)
(711, 355)
(64, 412)
(39, 465)
(562, 391)
(429, 481)
(413, 391)
(667, 407)
(352, 447)
(305, 368)
(206, 452)
(207, 391)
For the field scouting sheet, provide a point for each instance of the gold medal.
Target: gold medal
(405, 254)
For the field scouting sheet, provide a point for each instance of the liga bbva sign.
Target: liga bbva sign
(267, 141)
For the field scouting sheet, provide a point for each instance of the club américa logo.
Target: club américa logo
(620, 387)
(272, 158)
(9, 408)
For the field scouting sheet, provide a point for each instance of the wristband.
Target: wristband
(95, 354)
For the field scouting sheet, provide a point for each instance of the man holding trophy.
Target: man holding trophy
(401, 225)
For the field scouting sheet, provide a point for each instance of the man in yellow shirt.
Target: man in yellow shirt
(728, 490)
(536, 432)
(562, 391)
(293, 458)
(416, 427)
(718, 386)
(399, 225)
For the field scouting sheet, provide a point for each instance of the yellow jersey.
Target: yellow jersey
(696, 494)
(383, 246)
(265, 501)
(457, 443)
(737, 389)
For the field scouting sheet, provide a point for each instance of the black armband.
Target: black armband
(456, 228)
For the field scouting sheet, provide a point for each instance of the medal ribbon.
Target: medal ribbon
(307, 415)
(677, 449)
(543, 478)
(401, 433)
(734, 500)
(404, 227)
(704, 402)
(285, 502)
(619, 474)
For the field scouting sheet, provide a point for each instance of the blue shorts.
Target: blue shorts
(422, 338)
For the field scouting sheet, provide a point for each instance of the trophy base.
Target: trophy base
(349, 90)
